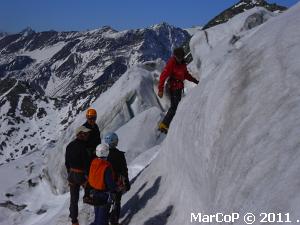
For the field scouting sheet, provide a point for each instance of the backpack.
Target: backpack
(97, 196)
(96, 175)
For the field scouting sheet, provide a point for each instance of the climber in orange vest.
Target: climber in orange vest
(103, 185)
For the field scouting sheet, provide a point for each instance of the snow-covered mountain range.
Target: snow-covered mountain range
(232, 146)
(69, 63)
(47, 78)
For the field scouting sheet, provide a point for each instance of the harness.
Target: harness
(81, 173)
(171, 80)
(76, 170)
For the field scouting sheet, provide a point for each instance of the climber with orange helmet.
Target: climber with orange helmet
(94, 138)
(93, 141)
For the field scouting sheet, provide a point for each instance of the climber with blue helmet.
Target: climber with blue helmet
(119, 165)
(111, 139)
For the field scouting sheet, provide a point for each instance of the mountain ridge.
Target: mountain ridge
(240, 7)
(70, 70)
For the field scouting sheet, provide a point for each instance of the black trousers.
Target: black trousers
(115, 213)
(175, 99)
(74, 192)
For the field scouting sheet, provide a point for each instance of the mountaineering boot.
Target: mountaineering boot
(163, 127)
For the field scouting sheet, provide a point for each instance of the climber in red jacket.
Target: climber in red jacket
(177, 72)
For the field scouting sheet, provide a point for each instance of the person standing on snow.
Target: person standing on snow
(93, 141)
(177, 72)
(94, 138)
(119, 164)
(102, 182)
(77, 164)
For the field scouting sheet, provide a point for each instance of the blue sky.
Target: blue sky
(65, 15)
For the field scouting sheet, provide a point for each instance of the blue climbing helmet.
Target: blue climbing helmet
(111, 139)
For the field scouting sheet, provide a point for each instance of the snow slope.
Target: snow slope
(143, 133)
(131, 95)
(233, 145)
(131, 104)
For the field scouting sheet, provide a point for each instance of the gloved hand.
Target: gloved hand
(160, 94)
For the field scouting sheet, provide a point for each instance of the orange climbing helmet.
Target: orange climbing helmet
(91, 113)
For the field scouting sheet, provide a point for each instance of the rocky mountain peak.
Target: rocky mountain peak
(2, 34)
(107, 28)
(27, 31)
(162, 25)
(240, 7)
